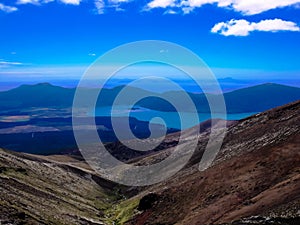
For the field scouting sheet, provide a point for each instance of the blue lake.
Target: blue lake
(170, 119)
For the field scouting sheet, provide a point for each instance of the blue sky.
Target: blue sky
(238, 38)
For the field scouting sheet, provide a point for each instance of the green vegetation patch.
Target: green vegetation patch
(9, 170)
(123, 212)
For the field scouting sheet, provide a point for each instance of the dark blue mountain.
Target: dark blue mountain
(253, 99)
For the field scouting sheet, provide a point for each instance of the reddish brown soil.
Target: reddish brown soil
(257, 173)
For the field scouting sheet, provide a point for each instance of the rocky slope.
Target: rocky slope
(57, 190)
(255, 179)
(257, 173)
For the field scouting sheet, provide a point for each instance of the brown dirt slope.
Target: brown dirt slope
(257, 173)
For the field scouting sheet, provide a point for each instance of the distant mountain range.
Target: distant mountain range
(253, 99)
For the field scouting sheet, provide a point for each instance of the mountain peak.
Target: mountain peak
(44, 84)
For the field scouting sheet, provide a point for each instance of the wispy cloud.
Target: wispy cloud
(257, 6)
(244, 27)
(7, 9)
(234, 27)
(246, 7)
(171, 11)
(118, 1)
(72, 2)
(39, 2)
(4, 63)
(102, 5)
(40, 72)
(161, 4)
(23, 2)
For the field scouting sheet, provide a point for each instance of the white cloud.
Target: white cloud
(38, 2)
(71, 2)
(247, 7)
(4, 64)
(7, 9)
(244, 27)
(276, 25)
(164, 51)
(187, 10)
(35, 2)
(161, 4)
(251, 7)
(100, 6)
(118, 1)
(233, 27)
(170, 11)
